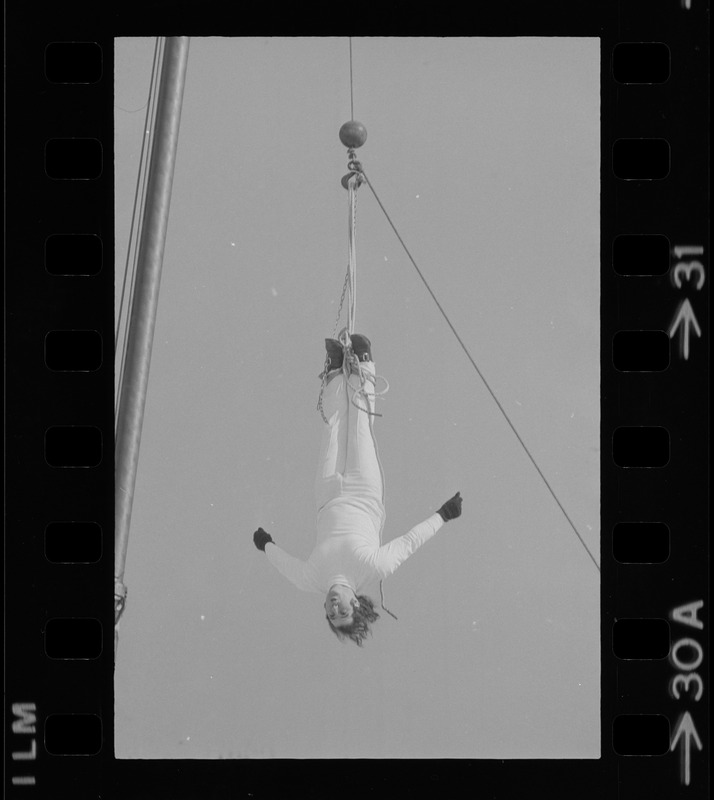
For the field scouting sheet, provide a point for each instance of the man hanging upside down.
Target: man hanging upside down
(349, 495)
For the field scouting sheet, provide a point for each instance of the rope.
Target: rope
(480, 374)
(350, 364)
(364, 379)
(352, 253)
(381, 600)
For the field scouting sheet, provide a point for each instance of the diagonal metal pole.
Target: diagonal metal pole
(132, 398)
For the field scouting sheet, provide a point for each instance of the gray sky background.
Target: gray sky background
(485, 153)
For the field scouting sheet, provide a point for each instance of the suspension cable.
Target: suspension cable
(352, 101)
(480, 374)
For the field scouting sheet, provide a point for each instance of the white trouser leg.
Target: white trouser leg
(348, 462)
(363, 475)
(333, 445)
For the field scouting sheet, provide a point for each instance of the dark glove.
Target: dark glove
(451, 508)
(261, 538)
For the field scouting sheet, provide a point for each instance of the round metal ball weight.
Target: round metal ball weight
(353, 134)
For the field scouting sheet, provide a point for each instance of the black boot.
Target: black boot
(361, 347)
(335, 354)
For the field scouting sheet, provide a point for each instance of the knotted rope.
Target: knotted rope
(351, 365)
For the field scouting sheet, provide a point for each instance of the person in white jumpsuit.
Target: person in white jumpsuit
(349, 499)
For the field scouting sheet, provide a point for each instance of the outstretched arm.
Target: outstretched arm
(289, 566)
(393, 554)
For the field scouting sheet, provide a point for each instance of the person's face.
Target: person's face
(340, 604)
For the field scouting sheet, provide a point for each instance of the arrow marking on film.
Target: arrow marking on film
(685, 317)
(686, 732)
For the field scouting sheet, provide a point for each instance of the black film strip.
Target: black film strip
(59, 279)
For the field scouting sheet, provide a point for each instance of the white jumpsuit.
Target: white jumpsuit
(349, 496)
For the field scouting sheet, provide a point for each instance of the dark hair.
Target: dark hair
(362, 616)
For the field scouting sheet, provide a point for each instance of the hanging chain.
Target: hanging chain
(322, 391)
(326, 367)
(342, 300)
(353, 165)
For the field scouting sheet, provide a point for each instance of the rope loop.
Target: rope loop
(365, 378)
